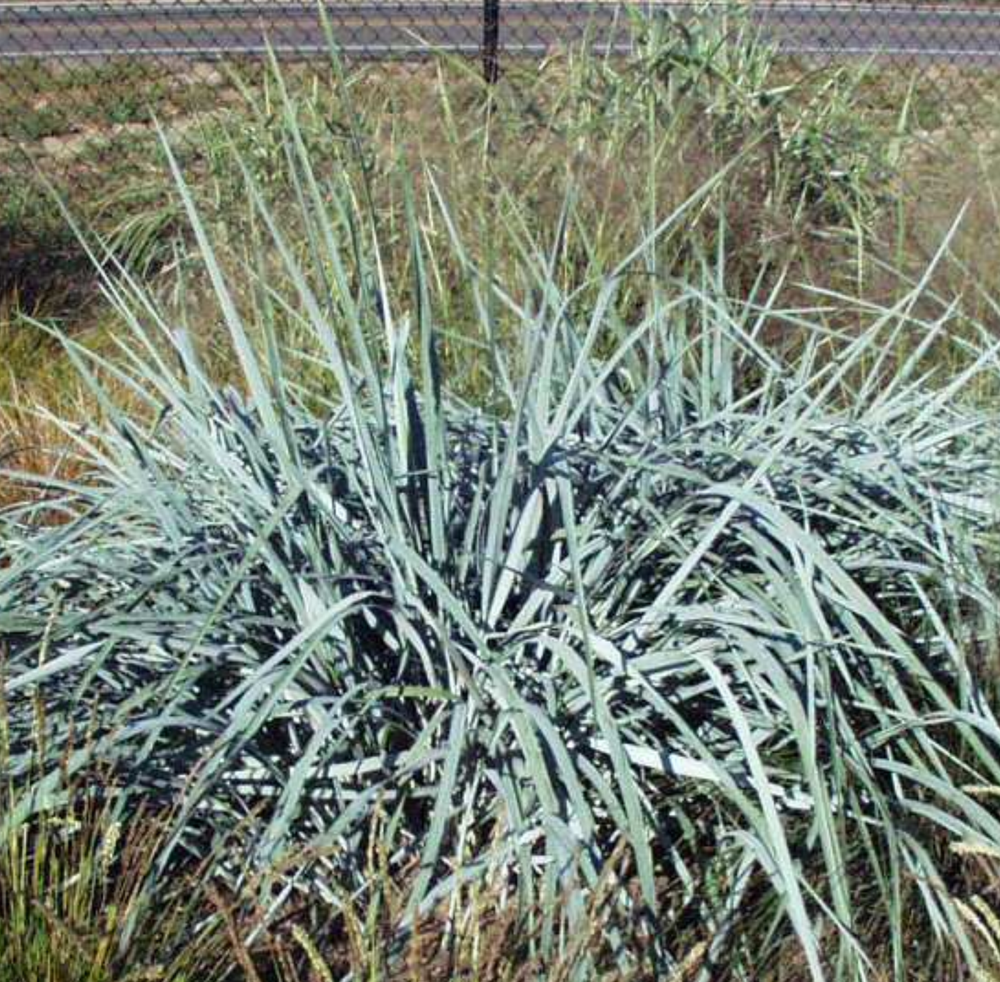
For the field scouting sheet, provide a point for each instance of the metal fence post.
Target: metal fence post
(491, 40)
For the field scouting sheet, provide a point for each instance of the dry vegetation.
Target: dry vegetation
(916, 168)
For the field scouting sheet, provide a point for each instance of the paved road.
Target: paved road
(86, 29)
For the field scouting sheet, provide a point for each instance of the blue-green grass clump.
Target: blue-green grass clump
(678, 592)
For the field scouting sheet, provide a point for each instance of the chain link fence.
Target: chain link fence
(92, 71)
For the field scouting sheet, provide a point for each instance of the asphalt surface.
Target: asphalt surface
(216, 29)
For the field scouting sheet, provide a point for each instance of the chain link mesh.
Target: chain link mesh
(96, 68)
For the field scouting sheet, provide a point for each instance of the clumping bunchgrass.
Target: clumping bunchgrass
(512, 541)
(682, 607)
(73, 900)
(980, 906)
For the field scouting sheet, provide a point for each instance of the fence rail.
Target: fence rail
(908, 32)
